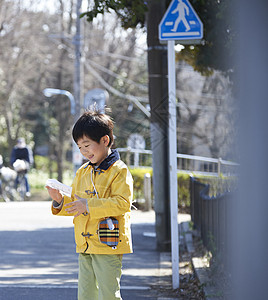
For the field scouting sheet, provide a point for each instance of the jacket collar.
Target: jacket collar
(108, 161)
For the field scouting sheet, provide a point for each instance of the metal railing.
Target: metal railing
(185, 162)
(209, 215)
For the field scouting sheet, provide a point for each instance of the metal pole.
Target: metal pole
(48, 92)
(147, 191)
(76, 156)
(77, 69)
(219, 166)
(173, 187)
(77, 160)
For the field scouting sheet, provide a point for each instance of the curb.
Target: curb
(202, 274)
(200, 269)
(165, 269)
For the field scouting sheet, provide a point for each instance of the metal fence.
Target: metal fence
(185, 162)
(209, 215)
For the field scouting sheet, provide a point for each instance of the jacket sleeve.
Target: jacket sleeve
(61, 211)
(120, 199)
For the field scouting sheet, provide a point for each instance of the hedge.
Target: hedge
(183, 185)
(39, 175)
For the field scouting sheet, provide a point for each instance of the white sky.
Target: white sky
(48, 5)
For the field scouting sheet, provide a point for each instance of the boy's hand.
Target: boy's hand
(54, 194)
(79, 206)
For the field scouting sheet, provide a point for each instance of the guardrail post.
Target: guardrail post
(219, 166)
(128, 156)
(136, 159)
(147, 192)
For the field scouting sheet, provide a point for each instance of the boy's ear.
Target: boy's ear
(106, 140)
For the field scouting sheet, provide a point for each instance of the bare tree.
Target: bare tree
(29, 62)
(205, 123)
(37, 52)
(113, 53)
(217, 129)
(19, 65)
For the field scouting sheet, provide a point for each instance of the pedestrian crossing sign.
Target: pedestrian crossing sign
(181, 23)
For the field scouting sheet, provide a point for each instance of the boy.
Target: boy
(101, 204)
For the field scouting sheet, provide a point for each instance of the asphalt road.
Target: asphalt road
(38, 259)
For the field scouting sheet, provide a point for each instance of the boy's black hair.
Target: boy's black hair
(94, 125)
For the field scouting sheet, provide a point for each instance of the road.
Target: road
(38, 259)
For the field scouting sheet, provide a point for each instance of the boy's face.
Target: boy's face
(93, 151)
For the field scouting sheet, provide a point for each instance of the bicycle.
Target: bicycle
(21, 167)
(7, 187)
(21, 185)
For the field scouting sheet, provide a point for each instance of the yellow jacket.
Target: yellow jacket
(114, 186)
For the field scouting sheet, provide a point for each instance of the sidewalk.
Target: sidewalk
(38, 259)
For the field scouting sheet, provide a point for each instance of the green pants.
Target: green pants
(99, 277)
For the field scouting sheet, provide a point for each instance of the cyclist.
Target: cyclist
(1, 165)
(23, 152)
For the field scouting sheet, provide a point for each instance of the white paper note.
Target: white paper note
(63, 188)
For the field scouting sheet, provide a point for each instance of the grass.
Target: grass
(37, 179)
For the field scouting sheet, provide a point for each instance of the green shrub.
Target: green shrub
(39, 175)
(183, 186)
(183, 190)
(218, 185)
(42, 164)
(138, 178)
(37, 179)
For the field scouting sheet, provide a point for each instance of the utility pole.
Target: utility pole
(78, 87)
(77, 63)
(158, 97)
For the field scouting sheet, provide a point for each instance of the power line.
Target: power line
(114, 55)
(135, 100)
(109, 72)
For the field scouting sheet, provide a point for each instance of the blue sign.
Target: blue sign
(180, 22)
(96, 97)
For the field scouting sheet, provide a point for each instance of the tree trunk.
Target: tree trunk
(158, 97)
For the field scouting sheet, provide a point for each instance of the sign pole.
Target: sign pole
(173, 189)
(180, 23)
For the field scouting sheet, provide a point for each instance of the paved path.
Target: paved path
(38, 259)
